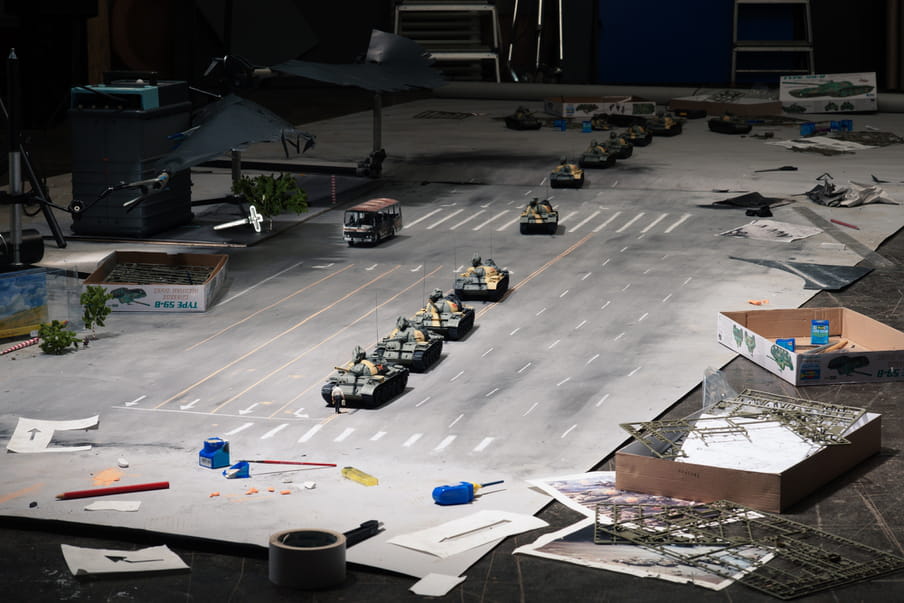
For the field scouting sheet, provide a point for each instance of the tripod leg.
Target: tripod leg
(44, 197)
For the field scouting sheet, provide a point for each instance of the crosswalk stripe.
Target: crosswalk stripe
(410, 441)
(653, 223)
(424, 217)
(446, 441)
(310, 433)
(482, 224)
(584, 221)
(274, 431)
(239, 428)
(631, 221)
(509, 223)
(441, 220)
(678, 223)
(342, 436)
(483, 444)
(468, 219)
(606, 223)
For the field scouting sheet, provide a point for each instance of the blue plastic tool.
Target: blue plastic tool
(459, 494)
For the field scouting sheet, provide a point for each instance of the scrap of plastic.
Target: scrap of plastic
(716, 387)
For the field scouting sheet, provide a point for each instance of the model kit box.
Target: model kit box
(638, 469)
(563, 106)
(160, 282)
(727, 103)
(828, 93)
(860, 349)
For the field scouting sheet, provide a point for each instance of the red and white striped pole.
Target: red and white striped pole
(20, 345)
(333, 189)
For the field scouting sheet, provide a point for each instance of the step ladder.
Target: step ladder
(798, 49)
(461, 36)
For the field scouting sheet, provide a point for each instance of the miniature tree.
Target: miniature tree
(56, 337)
(94, 304)
(272, 195)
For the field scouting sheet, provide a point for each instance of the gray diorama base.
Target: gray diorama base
(610, 320)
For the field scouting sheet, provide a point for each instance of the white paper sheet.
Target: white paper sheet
(106, 561)
(114, 505)
(463, 534)
(34, 435)
(772, 230)
(436, 585)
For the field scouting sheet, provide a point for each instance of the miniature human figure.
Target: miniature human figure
(404, 331)
(338, 398)
(360, 365)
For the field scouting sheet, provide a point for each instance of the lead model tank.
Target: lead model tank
(445, 315)
(366, 383)
(539, 216)
(597, 156)
(483, 280)
(417, 349)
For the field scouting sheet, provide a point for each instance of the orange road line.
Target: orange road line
(357, 320)
(536, 273)
(273, 305)
(22, 492)
(272, 339)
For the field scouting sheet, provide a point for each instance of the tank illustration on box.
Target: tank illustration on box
(522, 119)
(483, 280)
(638, 135)
(664, 124)
(831, 88)
(417, 349)
(445, 315)
(366, 383)
(539, 216)
(566, 175)
(618, 146)
(596, 156)
(729, 124)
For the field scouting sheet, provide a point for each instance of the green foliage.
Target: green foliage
(271, 194)
(94, 305)
(56, 338)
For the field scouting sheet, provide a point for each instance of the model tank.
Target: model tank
(831, 88)
(539, 216)
(600, 122)
(638, 135)
(596, 156)
(366, 383)
(417, 349)
(445, 315)
(566, 175)
(729, 124)
(483, 280)
(618, 146)
(664, 125)
(522, 119)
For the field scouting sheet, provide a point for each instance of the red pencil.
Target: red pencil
(113, 490)
(290, 463)
(844, 224)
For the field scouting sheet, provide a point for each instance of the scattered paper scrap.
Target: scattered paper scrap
(772, 230)
(34, 435)
(821, 143)
(114, 505)
(463, 534)
(108, 561)
(436, 585)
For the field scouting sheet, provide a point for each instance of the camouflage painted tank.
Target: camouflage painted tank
(638, 135)
(596, 156)
(522, 119)
(539, 216)
(831, 88)
(729, 124)
(417, 349)
(566, 175)
(664, 125)
(445, 315)
(600, 122)
(483, 280)
(618, 146)
(365, 383)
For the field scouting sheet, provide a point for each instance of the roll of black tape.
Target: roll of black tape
(31, 251)
(307, 559)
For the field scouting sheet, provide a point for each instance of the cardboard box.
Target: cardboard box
(588, 107)
(875, 351)
(142, 295)
(744, 106)
(637, 469)
(828, 93)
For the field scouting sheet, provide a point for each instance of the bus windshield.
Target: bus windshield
(358, 218)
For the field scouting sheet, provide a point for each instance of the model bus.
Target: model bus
(372, 221)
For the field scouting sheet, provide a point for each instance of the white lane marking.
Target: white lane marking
(553, 344)
(424, 217)
(422, 401)
(483, 444)
(322, 266)
(259, 283)
(245, 411)
(665, 256)
(614, 184)
(653, 223)
(584, 221)
(563, 293)
(136, 400)
(441, 220)
(508, 224)
(677, 224)
(347, 432)
(298, 414)
(631, 374)
(515, 331)
(460, 373)
(601, 400)
(623, 249)
(410, 441)
(619, 336)
(528, 192)
(457, 419)
(631, 221)
(460, 268)
(310, 433)
(190, 404)
(446, 441)
(542, 182)
(606, 223)
(418, 268)
(647, 270)
(625, 288)
(592, 358)
(377, 436)
(468, 219)
(645, 314)
(570, 214)
(238, 429)
(607, 261)
(491, 392)
(274, 431)
(487, 352)
(542, 310)
(524, 368)
(584, 278)
(371, 267)
(563, 381)
(580, 324)
(567, 431)
(689, 279)
(485, 222)
(529, 410)
(603, 307)
(666, 298)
